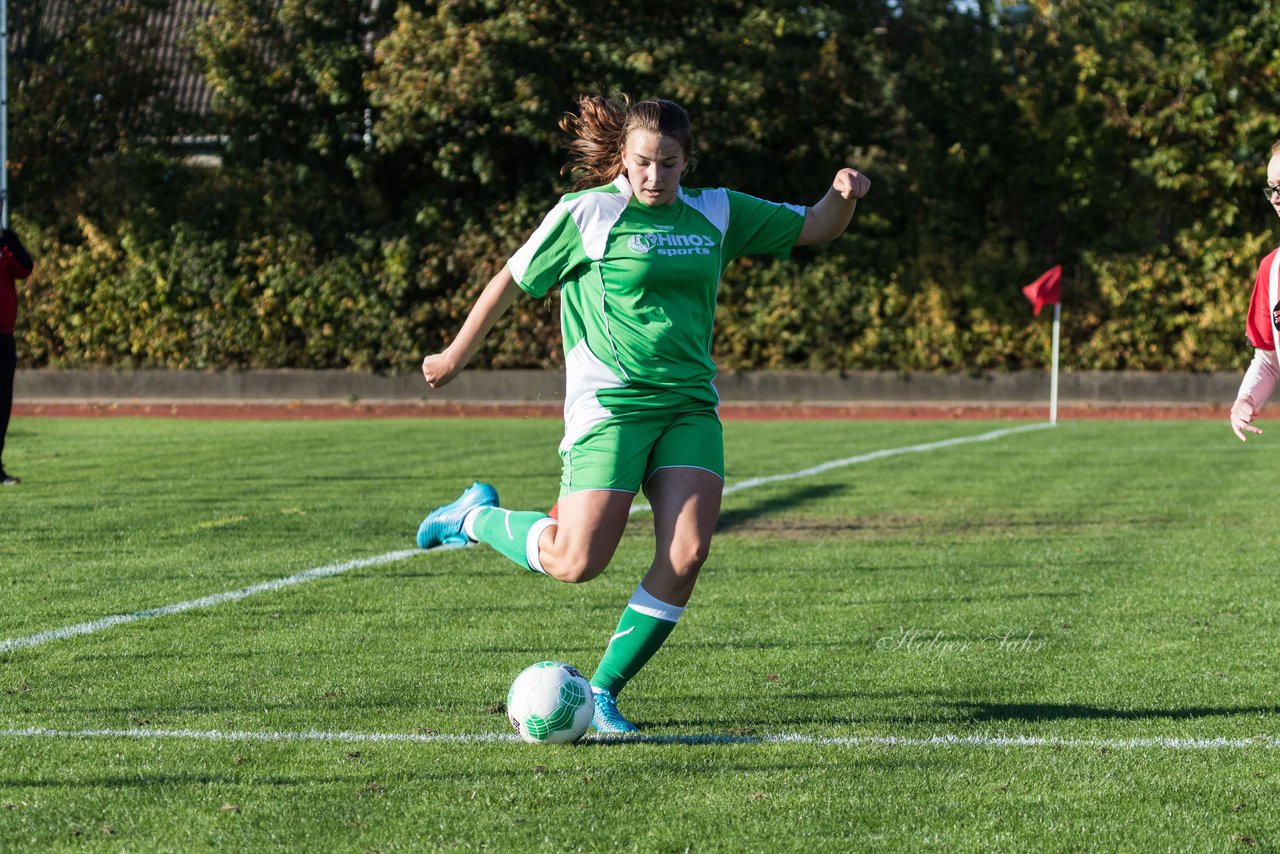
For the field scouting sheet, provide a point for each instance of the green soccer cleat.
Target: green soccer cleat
(607, 719)
(443, 526)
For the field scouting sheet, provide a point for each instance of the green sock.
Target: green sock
(646, 622)
(513, 533)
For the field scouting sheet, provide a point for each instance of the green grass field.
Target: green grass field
(1028, 643)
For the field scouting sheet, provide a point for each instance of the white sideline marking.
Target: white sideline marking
(753, 482)
(391, 557)
(204, 602)
(978, 741)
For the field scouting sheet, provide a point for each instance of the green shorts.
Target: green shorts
(623, 451)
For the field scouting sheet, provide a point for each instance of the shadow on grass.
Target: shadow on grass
(838, 709)
(959, 599)
(1073, 711)
(744, 516)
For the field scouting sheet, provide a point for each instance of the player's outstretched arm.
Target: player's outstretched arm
(828, 219)
(497, 296)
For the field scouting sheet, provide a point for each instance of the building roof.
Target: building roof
(190, 90)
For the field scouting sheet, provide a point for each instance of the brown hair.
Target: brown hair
(601, 127)
(1275, 147)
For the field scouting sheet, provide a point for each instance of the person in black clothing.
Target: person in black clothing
(15, 263)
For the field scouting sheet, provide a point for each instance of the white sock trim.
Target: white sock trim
(532, 552)
(651, 606)
(469, 523)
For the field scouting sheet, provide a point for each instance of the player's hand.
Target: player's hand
(1242, 415)
(439, 369)
(851, 184)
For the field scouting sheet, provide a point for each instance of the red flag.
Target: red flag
(1046, 289)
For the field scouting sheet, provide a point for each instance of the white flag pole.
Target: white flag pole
(1053, 379)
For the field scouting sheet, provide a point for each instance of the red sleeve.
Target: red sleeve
(1259, 325)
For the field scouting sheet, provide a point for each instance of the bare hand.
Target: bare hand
(851, 184)
(1242, 415)
(439, 369)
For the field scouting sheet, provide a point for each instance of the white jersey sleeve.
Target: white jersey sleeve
(1260, 379)
(553, 248)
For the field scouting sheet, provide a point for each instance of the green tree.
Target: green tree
(288, 78)
(1175, 105)
(383, 159)
(89, 117)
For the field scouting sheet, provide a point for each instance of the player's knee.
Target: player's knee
(687, 558)
(575, 568)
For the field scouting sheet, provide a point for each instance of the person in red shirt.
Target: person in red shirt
(15, 263)
(1262, 323)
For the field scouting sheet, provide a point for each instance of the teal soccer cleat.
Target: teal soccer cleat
(443, 526)
(607, 719)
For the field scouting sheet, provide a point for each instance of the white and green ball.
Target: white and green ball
(550, 703)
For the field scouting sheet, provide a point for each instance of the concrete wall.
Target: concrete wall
(1082, 388)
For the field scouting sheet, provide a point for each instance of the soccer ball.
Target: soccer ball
(550, 703)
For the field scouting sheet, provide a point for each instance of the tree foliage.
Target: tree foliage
(86, 109)
(382, 159)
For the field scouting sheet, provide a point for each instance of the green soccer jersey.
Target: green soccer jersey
(638, 287)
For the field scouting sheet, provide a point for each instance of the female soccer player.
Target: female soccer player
(637, 258)
(1262, 323)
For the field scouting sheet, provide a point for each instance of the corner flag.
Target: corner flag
(1045, 290)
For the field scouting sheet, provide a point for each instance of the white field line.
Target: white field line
(390, 557)
(204, 602)
(753, 482)
(974, 741)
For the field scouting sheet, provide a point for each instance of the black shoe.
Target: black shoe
(9, 480)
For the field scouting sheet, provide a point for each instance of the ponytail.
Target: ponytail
(596, 135)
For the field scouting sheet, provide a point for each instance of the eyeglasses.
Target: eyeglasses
(1271, 192)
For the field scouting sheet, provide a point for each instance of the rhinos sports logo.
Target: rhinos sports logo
(671, 244)
(641, 243)
(1275, 316)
